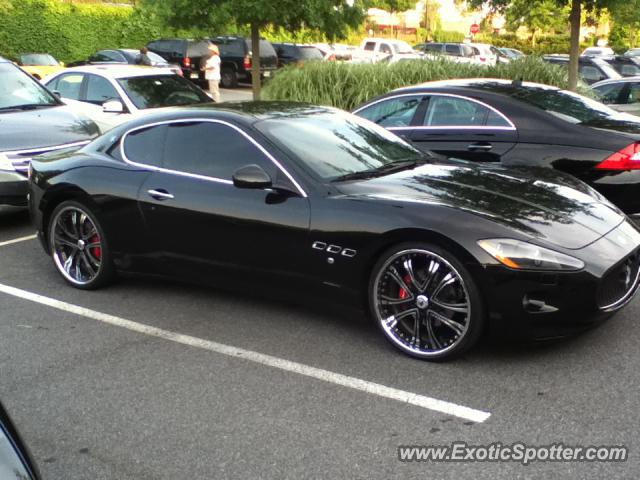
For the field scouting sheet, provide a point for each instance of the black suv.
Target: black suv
(295, 53)
(591, 69)
(235, 54)
(189, 54)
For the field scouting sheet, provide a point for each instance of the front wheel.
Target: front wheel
(78, 246)
(425, 301)
(228, 78)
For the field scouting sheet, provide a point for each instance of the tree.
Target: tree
(393, 6)
(331, 17)
(625, 32)
(540, 17)
(575, 14)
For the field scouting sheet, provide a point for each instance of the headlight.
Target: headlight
(526, 256)
(5, 163)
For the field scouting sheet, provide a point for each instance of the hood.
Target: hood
(535, 202)
(45, 127)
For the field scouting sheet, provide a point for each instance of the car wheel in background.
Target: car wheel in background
(229, 78)
(425, 301)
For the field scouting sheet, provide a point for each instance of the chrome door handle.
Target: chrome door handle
(480, 146)
(160, 194)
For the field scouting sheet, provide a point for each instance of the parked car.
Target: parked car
(515, 123)
(622, 95)
(32, 121)
(457, 52)
(625, 66)
(312, 195)
(328, 52)
(511, 53)
(598, 52)
(294, 53)
(375, 49)
(16, 462)
(189, 54)
(488, 54)
(126, 56)
(632, 52)
(590, 69)
(111, 95)
(39, 64)
(236, 56)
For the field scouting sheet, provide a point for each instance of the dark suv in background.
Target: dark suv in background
(289, 53)
(189, 54)
(235, 54)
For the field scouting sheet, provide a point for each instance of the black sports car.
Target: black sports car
(515, 123)
(16, 462)
(439, 250)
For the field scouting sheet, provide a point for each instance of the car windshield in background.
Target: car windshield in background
(569, 106)
(19, 91)
(38, 60)
(311, 53)
(333, 144)
(402, 47)
(156, 91)
(155, 58)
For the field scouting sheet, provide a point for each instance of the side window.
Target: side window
(591, 74)
(452, 50)
(610, 93)
(145, 146)
(459, 112)
(370, 46)
(99, 90)
(395, 112)
(433, 47)
(69, 85)
(386, 49)
(210, 149)
(634, 93)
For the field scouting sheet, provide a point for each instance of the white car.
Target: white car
(598, 52)
(113, 94)
(486, 54)
(373, 50)
(622, 94)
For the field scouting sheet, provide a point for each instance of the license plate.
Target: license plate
(267, 74)
(195, 75)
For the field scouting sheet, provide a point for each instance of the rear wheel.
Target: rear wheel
(229, 77)
(78, 246)
(425, 301)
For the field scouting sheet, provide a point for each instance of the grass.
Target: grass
(346, 86)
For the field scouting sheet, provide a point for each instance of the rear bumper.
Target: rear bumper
(13, 189)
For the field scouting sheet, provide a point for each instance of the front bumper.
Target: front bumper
(13, 188)
(545, 305)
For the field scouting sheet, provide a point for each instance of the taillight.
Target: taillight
(332, 58)
(626, 159)
(186, 62)
(483, 59)
(247, 62)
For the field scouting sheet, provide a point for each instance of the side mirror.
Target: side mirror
(113, 106)
(57, 94)
(252, 176)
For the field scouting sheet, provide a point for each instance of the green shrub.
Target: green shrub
(346, 86)
(74, 31)
(447, 36)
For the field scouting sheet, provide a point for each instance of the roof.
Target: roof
(616, 80)
(2, 60)
(120, 70)
(480, 84)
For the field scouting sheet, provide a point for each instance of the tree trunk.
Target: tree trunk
(574, 53)
(255, 60)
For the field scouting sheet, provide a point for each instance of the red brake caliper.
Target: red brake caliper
(96, 251)
(403, 293)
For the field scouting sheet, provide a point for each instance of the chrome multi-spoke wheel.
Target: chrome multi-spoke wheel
(77, 245)
(423, 302)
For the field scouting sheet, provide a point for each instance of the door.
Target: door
(463, 128)
(199, 220)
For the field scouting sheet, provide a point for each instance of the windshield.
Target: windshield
(402, 47)
(19, 90)
(332, 144)
(310, 53)
(567, 105)
(38, 59)
(155, 58)
(156, 91)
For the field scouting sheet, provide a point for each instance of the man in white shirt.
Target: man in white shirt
(212, 72)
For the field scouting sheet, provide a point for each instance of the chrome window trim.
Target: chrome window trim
(203, 177)
(458, 127)
(46, 149)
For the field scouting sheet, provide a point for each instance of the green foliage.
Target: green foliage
(73, 32)
(625, 32)
(544, 43)
(346, 85)
(543, 16)
(393, 6)
(447, 36)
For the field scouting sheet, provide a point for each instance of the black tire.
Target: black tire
(448, 317)
(229, 77)
(91, 254)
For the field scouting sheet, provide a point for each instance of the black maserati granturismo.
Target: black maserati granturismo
(516, 123)
(440, 250)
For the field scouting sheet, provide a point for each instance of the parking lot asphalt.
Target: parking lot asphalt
(102, 401)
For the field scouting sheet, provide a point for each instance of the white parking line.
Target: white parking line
(18, 240)
(256, 357)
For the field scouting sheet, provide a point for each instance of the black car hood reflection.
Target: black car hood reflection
(43, 127)
(521, 199)
(623, 125)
